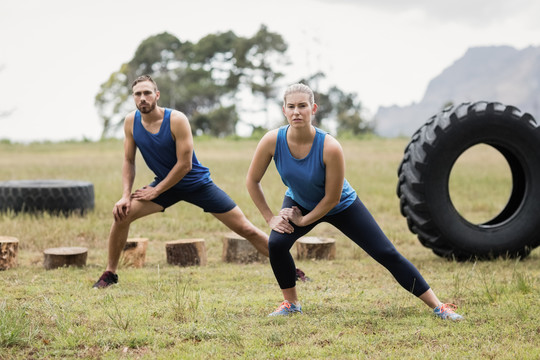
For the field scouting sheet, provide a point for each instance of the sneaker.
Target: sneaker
(107, 279)
(447, 312)
(286, 308)
(300, 275)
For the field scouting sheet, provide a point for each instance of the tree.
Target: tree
(112, 101)
(155, 55)
(200, 79)
(264, 51)
(348, 113)
(219, 122)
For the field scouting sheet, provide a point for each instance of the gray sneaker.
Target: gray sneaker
(447, 312)
(286, 308)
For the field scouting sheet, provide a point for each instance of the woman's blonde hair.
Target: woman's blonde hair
(299, 88)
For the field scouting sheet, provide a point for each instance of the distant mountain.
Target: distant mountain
(493, 73)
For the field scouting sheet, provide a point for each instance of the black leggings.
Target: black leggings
(356, 223)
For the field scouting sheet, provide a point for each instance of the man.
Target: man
(164, 138)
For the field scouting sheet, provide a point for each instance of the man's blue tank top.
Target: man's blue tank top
(159, 153)
(306, 178)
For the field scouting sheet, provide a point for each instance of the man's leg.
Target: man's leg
(120, 229)
(237, 222)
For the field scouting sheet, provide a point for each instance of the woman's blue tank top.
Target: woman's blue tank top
(159, 152)
(306, 178)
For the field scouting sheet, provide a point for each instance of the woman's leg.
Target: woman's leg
(281, 260)
(359, 225)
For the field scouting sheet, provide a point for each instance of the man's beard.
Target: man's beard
(148, 108)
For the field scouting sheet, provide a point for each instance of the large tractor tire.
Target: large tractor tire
(57, 197)
(425, 171)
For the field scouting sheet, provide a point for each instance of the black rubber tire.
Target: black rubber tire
(425, 171)
(57, 197)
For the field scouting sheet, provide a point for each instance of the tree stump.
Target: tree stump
(64, 256)
(237, 249)
(186, 252)
(9, 246)
(134, 253)
(310, 247)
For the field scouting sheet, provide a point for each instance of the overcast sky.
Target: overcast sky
(55, 54)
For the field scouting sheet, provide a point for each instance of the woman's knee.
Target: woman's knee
(278, 245)
(273, 245)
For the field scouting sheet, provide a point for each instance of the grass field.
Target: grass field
(353, 307)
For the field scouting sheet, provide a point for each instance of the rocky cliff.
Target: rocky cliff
(494, 73)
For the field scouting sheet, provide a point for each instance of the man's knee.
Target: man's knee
(139, 209)
(125, 221)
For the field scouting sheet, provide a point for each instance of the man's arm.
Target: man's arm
(122, 207)
(181, 132)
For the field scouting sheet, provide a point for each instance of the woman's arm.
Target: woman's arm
(259, 164)
(334, 161)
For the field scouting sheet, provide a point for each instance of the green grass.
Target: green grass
(353, 307)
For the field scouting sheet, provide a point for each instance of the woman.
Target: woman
(312, 166)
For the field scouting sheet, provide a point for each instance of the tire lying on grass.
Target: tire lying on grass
(57, 197)
(425, 170)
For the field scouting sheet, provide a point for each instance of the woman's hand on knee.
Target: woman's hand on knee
(292, 214)
(280, 224)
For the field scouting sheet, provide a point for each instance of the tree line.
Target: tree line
(204, 80)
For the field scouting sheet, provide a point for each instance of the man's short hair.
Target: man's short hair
(143, 78)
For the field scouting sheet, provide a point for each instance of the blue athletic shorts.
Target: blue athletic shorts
(208, 197)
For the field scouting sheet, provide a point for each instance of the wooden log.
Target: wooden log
(134, 253)
(237, 249)
(9, 247)
(64, 256)
(186, 252)
(310, 247)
